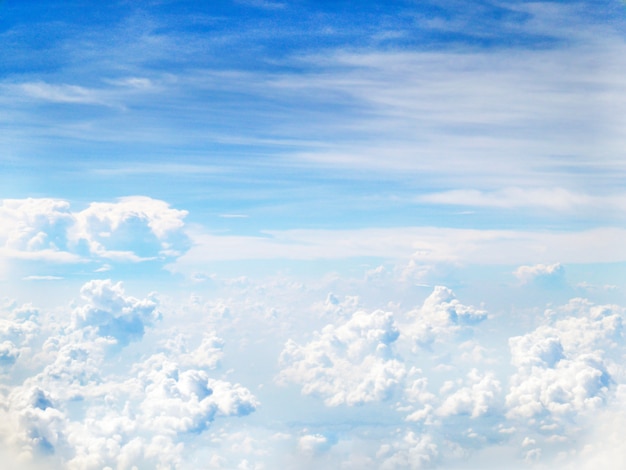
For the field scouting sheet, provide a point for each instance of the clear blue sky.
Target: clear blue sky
(251, 208)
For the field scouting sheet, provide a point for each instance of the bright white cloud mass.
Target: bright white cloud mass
(312, 235)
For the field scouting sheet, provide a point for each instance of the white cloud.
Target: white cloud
(112, 314)
(74, 410)
(543, 272)
(61, 93)
(312, 444)
(352, 363)
(105, 384)
(131, 229)
(42, 278)
(414, 452)
(164, 399)
(426, 245)
(555, 199)
(564, 367)
(485, 116)
(17, 332)
(208, 354)
(176, 401)
(441, 318)
(34, 224)
(474, 399)
(98, 224)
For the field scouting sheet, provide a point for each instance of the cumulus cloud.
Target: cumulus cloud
(352, 363)
(112, 314)
(130, 229)
(540, 273)
(441, 317)
(83, 407)
(312, 444)
(564, 367)
(35, 229)
(108, 383)
(17, 331)
(413, 452)
(475, 399)
(177, 400)
(139, 216)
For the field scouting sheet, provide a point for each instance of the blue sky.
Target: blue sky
(292, 234)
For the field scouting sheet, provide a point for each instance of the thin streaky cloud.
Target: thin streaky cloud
(554, 199)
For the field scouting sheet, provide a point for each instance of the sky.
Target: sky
(259, 234)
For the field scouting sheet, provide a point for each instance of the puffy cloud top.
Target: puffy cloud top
(442, 316)
(539, 272)
(348, 364)
(84, 407)
(563, 366)
(112, 314)
(130, 229)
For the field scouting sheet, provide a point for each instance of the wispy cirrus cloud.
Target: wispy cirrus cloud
(553, 199)
(72, 94)
(479, 117)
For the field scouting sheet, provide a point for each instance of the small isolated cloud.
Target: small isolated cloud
(351, 364)
(540, 273)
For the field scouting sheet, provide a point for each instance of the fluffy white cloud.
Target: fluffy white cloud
(474, 399)
(207, 355)
(564, 367)
(137, 216)
(116, 384)
(441, 317)
(35, 229)
(178, 400)
(413, 451)
(112, 314)
(557, 199)
(540, 272)
(76, 411)
(130, 229)
(17, 331)
(312, 444)
(352, 363)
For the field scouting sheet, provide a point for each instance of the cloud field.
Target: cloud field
(255, 234)
(310, 373)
